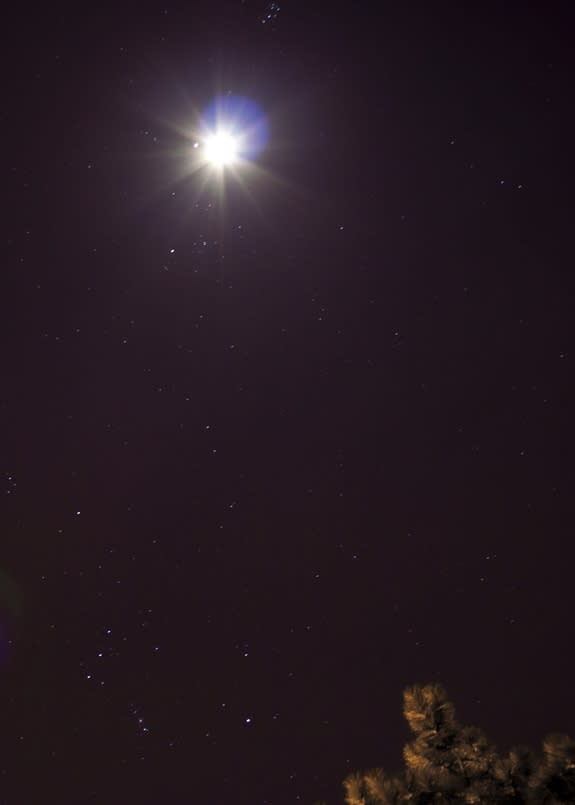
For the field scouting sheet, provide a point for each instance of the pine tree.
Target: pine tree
(450, 763)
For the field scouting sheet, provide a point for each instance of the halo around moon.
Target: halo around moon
(234, 129)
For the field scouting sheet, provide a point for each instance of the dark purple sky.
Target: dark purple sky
(269, 458)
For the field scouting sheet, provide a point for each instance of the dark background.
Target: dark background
(321, 450)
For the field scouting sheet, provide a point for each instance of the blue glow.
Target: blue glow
(242, 119)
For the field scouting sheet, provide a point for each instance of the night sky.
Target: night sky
(281, 438)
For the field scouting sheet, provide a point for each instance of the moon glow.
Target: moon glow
(221, 149)
(234, 129)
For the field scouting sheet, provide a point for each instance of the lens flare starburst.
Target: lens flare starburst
(231, 133)
(219, 151)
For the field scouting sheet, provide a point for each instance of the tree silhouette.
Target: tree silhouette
(450, 763)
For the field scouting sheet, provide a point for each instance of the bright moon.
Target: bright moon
(231, 133)
(221, 149)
